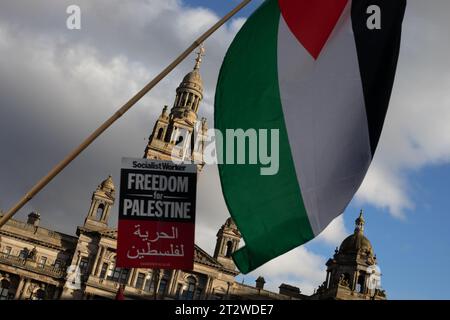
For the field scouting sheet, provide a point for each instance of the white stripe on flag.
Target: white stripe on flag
(326, 120)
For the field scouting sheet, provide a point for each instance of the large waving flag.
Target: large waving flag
(320, 71)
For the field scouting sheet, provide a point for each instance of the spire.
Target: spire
(359, 223)
(200, 54)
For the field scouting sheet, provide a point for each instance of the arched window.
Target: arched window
(179, 140)
(160, 133)
(100, 209)
(229, 249)
(168, 133)
(4, 289)
(190, 288)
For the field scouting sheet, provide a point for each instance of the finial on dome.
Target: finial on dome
(200, 54)
(359, 222)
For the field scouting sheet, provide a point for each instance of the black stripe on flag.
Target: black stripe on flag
(378, 52)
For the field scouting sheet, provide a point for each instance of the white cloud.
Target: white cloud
(299, 267)
(334, 233)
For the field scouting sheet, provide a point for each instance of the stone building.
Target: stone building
(352, 273)
(178, 134)
(38, 263)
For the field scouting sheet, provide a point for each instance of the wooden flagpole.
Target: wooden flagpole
(94, 135)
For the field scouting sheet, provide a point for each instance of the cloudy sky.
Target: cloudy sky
(57, 85)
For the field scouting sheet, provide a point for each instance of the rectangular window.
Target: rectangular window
(149, 284)
(119, 275)
(23, 254)
(124, 276)
(140, 280)
(7, 251)
(57, 264)
(162, 286)
(42, 261)
(84, 262)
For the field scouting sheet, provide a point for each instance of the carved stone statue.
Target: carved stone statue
(343, 281)
(32, 254)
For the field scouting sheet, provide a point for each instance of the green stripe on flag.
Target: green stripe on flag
(268, 210)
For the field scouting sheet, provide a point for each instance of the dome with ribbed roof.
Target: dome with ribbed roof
(193, 79)
(357, 242)
(107, 184)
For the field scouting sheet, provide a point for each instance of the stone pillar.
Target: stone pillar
(19, 288)
(78, 258)
(186, 96)
(136, 273)
(172, 283)
(197, 101)
(100, 262)
(206, 289)
(24, 294)
(94, 267)
(355, 280)
(131, 277)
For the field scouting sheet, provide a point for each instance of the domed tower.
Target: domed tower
(101, 204)
(179, 135)
(352, 273)
(228, 238)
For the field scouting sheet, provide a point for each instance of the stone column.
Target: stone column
(94, 267)
(78, 258)
(172, 283)
(130, 277)
(100, 262)
(133, 284)
(24, 294)
(355, 280)
(197, 101)
(206, 289)
(19, 288)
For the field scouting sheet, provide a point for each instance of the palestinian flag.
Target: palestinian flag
(321, 72)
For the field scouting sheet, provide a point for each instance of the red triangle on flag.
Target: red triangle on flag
(312, 21)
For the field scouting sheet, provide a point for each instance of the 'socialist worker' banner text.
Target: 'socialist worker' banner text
(156, 214)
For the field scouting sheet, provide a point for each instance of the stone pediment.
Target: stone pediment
(201, 256)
